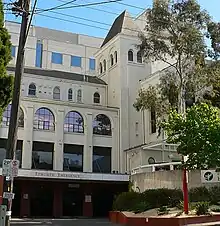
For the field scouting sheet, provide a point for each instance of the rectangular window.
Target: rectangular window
(101, 160)
(39, 52)
(42, 155)
(18, 154)
(13, 51)
(92, 64)
(73, 158)
(57, 58)
(76, 61)
(153, 121)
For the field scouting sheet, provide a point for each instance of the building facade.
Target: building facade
(68, 135)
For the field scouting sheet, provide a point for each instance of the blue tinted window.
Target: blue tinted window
(92, 64)
(13, 50)
(57, 58)
(76, 61)
(39, 51)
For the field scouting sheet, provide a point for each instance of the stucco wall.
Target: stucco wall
(167, 179)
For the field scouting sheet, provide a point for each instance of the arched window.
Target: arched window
(130, 55)
(104, 65)
(44, 120)
(96, 98)
(139, 57)
(102, 125)
(111, 60)
(74, 122)
(100, 68)
(79, 96)
(32, 90)
(7, 114)
(116, 57)
(70, 94)
(56, 93)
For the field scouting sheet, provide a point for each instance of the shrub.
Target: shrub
(214, 193)
(162, 210)
(141, 207)
(162, 197)
(202, 208)
(200, 194)
(127, 201)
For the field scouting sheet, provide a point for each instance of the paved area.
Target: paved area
(61, 222)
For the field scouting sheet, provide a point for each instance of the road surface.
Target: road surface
(61, 222)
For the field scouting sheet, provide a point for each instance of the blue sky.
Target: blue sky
(99, 14)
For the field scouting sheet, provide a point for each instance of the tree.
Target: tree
(175, 34)
(197, 134)
(6, 81)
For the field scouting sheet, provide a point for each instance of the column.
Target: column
(28, 140)
(87, 202)
(88, 146)
(58, 145)
(115, 156)
(58, 201)
(25, 200)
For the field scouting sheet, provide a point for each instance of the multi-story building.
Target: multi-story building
(68, 136)
(79, 133)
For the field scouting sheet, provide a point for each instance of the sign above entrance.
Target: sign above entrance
(210, 176)
(71, 175)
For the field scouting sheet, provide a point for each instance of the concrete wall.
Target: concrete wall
(68, 44)
(167, 179)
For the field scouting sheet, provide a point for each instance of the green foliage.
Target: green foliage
(127, 201)
(214, 194)
(202, 208)
(140, 207)
(162, 197)
(176, 36)
(6, 82)
(197, 134)
(199, 194)
(162, 210)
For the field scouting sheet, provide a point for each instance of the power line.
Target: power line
(83, 5)
(125, 4)
(85, 19)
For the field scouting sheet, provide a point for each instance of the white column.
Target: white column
(88, 145)
(28, 140)
(58, 145)
(115, 153)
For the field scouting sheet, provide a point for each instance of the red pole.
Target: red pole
(185, 192)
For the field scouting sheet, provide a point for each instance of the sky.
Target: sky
(95, 20)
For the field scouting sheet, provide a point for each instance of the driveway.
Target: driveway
(61, 222)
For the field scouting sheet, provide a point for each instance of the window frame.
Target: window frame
(79, 96)
(76, 61)
(70, 94)
(32, 89)
(92, 64)
(130, 56)
(55, 60)
(56, 88)
(139, 57)
(96, 98)
(13, 50)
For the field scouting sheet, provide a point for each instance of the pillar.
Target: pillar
(58, 145)
(1, 188)
(28, 140)
(115, 153)
(58, 201)
(25, 200)
(88, 146)
(87, 202)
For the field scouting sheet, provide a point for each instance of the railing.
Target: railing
(155, 167)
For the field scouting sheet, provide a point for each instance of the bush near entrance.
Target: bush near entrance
(157, 198)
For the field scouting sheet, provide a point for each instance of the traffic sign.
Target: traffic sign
(14, 168)
(210, 176)
(6, 167)
(10, 168)
(8, 195)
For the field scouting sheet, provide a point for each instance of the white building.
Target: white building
(78, 129)
(68, 137)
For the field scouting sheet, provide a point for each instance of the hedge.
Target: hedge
(156, 198)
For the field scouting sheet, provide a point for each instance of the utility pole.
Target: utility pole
(21, 7)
